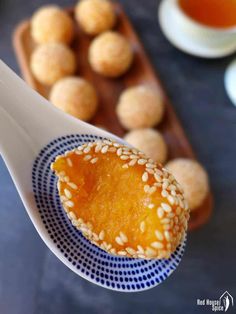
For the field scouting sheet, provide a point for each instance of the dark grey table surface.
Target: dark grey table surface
(34, 281)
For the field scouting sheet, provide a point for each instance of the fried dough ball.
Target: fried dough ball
(110, 54)
(50, 62)
(140, 107)
(193, 179)
(117, 198)
(150, 142)
(75, 96)
(51, 24)
(95, 16)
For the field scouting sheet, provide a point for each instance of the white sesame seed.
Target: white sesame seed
(126, 153)
(142, 226)
(159, 235)
(151, 206)
(130, 251)
(167, 235)
(98, 147)
(80, 148)
(160, 212)
(165, 185)
(67, 193)
(133, 157)
(116, 144)
(71, 215)
(164, 193)
(122, 253)
(126, 166)
(132, 162)
(149, 165)
(87, 157)
(123, 237)
(135, 151)
(69, 204)
(171, 199)
(66, 179)
(104, 149)
(119, 241)
(113, 251)
(166, 207)
(165, 221)
(63, 198)
(146, 188)
(78, 152)
(112, 149)
(149, 170)
(159, 172)
(86, 150)
(95, 236)
(150, 252)
(119, 151)
(72, 185)
(145, 177)
(94, 160)
(124, 157)
(157, 245)
(101, 235)
(172, 187)
(140, 249)
(142, 161)
(173, 193)
(141, 256)
(152, 190)
(107, 142)
(69, 162)
(109, 246)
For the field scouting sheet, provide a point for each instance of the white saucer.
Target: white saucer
(184, 41)
(230, 81)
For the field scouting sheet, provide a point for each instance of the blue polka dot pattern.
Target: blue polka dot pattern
(87, 260)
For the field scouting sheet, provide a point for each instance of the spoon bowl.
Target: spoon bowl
(33, 133)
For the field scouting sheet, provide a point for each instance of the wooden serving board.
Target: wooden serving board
(109, 90)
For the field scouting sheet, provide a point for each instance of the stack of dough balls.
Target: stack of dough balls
(95, 16)
(193, 179)
(51, 24)
(110, 54)
(75, 96)
(150, 142)
(51, 62)
(140, 107)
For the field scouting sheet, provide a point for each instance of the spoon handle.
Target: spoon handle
(29, 122)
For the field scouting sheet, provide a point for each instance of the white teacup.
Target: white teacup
(211, 36)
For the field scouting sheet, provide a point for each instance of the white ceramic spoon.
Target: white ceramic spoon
(32, 134)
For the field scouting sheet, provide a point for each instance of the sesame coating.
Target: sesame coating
(154, 237)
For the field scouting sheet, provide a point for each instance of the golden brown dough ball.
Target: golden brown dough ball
(150, 142)
(51, 24)
(140, 107)
(50, 62)
(75, 96)
(193, 179)
(95, 16)
(110, 54)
